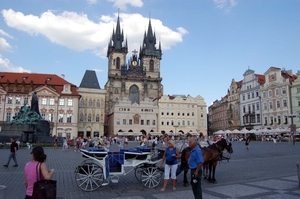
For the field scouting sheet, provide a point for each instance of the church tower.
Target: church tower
(133, 83)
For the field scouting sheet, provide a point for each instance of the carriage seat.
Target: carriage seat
(144, 148)
(134, 154)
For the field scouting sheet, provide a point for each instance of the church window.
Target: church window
(116, 91)
(151, 68)
(81, 117)
(134, 96)
(118, 63)
(98, 103)
(151, 86)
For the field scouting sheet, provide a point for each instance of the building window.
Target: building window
(252, 94)
(266, 120)
(258, 118)
(162, 113)
(270, 93)
(90, 103)
(265, 106)
(43, 115)
(244, 109)
(68, 135)
(70, 102)
(130, 122)
(60, 118)
(298, 90)
(89, 118)
(69, 118)
(162, 122)
(8, 117)
(124, 121)
(142, 122)
(44, 101)
(18, 100)
(298, 102)
(192, 113)
(243, 97)
(188, 123)
(183, 122)
(97, 118)
(81, 104)
(61, 102)
(277, 92)
(257, 106)
(81, 118)
(178, 123)
(278, 104)
(118, 63)
(51, 101)
(284, 103)
(283, 90)
(151, 68)
(264, 94)
(153, 122)
(271, 105)
(148, 122)
(278, 119)
(9, 100)
(118, 121)
(178, 113)
(50, 117)
(248, 94)
(98, 103)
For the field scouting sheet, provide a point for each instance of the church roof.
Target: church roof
(90, 80)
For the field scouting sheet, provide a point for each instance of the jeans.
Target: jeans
(12, 156)
(197, 190)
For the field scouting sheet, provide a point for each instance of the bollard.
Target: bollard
(298, 171)
(2, 192)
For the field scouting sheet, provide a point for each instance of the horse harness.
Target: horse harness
(220, 151)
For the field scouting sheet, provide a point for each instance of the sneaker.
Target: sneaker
(5, 165)
(15, 165)
(162, 189)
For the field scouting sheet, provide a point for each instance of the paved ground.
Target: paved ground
(264, 171)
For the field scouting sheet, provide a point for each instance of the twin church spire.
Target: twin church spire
(117, 44)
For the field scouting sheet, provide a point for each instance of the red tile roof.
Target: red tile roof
(36, 79)
(260, 79)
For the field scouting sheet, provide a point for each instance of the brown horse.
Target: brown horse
(211, 156)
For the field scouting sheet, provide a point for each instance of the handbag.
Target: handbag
(43, 189)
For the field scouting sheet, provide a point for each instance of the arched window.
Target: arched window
(118, 63)
(90, 103)
(98, 103)
(89, 118)
(134, 94)
(116, 91)
(97, 118)
(151, 67)
(82, 103)
(81, 117)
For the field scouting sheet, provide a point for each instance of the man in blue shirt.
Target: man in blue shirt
(195, 164)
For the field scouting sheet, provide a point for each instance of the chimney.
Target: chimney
(62, 76)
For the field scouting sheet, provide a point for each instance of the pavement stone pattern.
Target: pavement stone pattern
(244, 177)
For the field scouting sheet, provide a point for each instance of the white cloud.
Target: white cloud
(4, 45)
(225, 4)
(98, 70)
(77, 32)
(122, 4)
(92, 2)
(5, 65)
(5, 34)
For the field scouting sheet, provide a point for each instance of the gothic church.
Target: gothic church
(133, 86)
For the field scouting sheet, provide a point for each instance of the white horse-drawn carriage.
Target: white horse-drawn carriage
(102, 166)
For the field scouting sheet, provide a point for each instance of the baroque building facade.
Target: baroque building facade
(218, 115)
(58, 99)
(233, 102)
(180, 113)
(132, 86)
(250, 100)
(295, 97)
(91, 110)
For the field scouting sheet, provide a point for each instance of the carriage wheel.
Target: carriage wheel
(89, 176)
(138, 172)
(151, 177)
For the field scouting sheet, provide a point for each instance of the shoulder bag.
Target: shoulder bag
(43, 189)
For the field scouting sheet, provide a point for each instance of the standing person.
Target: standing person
(247, 142)
(13, 153)
(125, 142)
(30, 171)
(170, 158)
(55, 142)
(65, 145)
(195, 164)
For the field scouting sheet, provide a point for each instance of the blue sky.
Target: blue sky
(205, 43)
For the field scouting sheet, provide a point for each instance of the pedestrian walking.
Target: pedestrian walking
(32, 168)
(195, 164)
(170, 159)
(247, 142)
(13, 152)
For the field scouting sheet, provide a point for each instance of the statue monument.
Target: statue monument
(27, 125)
